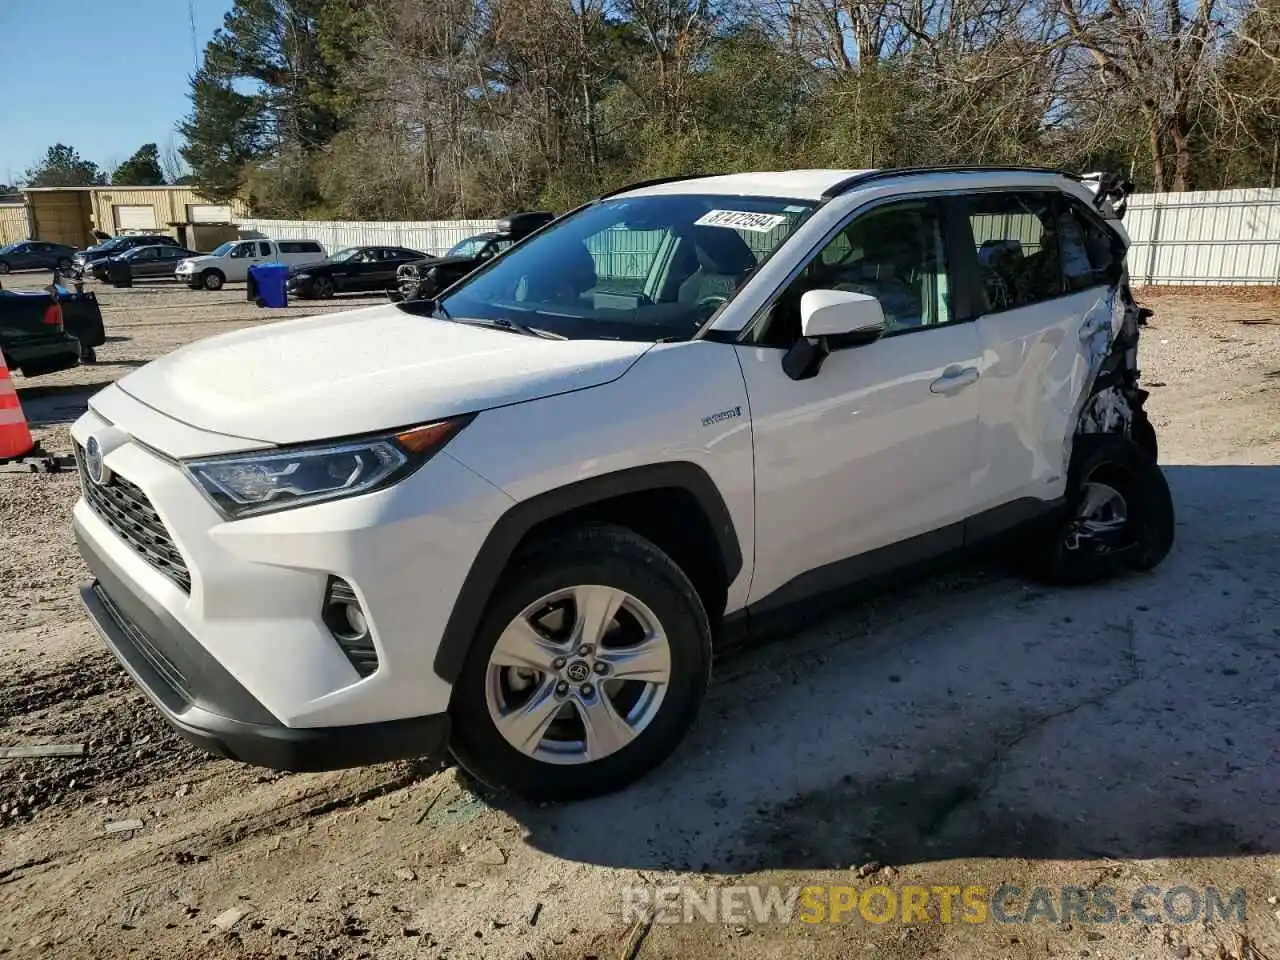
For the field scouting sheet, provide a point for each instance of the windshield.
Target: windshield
(468, 247)
(222, 249)
(343, 255)
(8, 247)
(641, 268)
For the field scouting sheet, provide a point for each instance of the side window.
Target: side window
(1091, 252)
(242, 250)
(1018, 245)
(264, 248)
(895, 253)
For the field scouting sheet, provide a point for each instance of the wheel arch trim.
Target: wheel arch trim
(511, 528)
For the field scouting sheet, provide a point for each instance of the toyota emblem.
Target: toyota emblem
(93, 462)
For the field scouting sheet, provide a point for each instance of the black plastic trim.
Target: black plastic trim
(859, 179)
(207, 683)
(837, 584)
(512, 526)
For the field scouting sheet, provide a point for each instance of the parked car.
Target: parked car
(432, 275)
(514, 520)
(355, 268)
(114, 247)
(36, 255)
(145, 263)
(39, 335)
(230, 262)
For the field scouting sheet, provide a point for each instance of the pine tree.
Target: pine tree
(142, 169)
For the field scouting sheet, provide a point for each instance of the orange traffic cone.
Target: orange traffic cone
(15, 438)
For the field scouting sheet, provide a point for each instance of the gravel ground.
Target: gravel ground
(969, 729)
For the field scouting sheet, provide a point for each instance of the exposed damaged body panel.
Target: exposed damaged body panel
(1112, 400)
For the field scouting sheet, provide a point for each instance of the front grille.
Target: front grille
(128, 511)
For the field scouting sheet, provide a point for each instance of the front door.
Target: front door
(879, 447)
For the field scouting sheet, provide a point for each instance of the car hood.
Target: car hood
(364, 371)
(200, 260)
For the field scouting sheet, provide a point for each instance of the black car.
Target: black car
(37, 339)
(145, 263)
(36, 255)
(428, 277)
(116, 246)
(355, 268)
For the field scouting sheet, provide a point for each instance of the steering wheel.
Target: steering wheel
(710, 304)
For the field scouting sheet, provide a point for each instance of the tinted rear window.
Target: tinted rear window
(299, 246)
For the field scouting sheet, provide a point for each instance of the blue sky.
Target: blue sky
(103, 77)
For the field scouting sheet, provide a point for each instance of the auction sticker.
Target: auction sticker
(741, 220)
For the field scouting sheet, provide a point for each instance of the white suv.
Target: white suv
(515, 521)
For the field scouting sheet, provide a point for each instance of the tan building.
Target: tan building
(71, 214)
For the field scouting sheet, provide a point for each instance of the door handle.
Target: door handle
(954, 379)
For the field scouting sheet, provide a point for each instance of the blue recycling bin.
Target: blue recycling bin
(269, 284)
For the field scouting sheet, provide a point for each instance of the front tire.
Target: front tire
(588, 668)
(1120, 514)
(4, 268)
(212, 280)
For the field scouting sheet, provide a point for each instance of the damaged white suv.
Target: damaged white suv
(515, 521)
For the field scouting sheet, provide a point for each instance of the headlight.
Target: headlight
(243, 485)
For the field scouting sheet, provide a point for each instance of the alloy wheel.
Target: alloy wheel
(578, 674)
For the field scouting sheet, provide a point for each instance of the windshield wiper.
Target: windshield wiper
(510, 326)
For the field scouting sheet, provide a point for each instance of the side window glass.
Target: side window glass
(895, 253)
(1090, 250)
(1019, 249)
(264, 249)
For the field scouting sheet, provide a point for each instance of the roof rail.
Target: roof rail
(858, 179)
(655, 182)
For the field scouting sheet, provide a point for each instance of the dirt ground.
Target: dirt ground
(972, 729)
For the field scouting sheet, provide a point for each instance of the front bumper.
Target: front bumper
(205, 704)
(238, 606)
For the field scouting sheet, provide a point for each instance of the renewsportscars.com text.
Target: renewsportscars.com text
(878, 904)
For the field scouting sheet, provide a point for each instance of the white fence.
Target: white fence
(1218, 237)
(1214, 237)
(429, 236)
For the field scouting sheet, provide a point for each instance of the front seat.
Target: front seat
(724, 260)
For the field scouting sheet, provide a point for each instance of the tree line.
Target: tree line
(62, 166)
(424, 109)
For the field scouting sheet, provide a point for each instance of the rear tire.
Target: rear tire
(1125, 481)
(212, 280)
(660, 629)
(322, 288)
(88, 355)
(1144, 435)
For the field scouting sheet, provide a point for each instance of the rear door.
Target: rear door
(382, 271)
(164, 262)
(1031, 327)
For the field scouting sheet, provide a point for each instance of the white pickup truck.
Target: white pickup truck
(230, 262)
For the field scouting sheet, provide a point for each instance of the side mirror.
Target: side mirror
(836, 313)
(853, 318)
